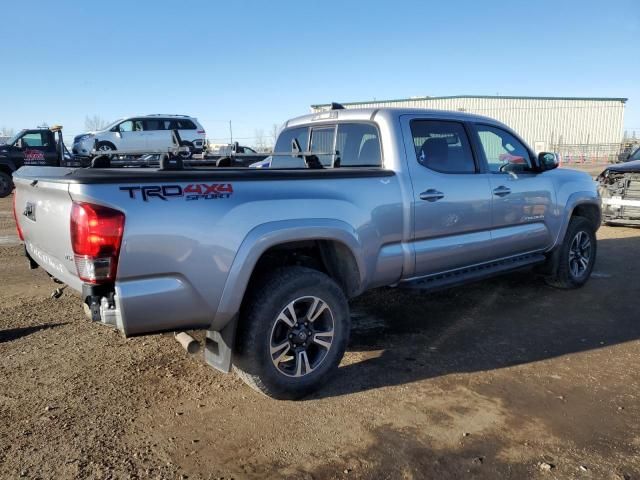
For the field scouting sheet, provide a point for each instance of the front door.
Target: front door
(37, 148)
(522, 198)
(132, 138)
(451, 198)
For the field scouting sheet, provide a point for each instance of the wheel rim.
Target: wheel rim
(104, 148)
(186, 154)
(301, 336)
(579, 254)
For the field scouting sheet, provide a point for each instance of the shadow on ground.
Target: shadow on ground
(11, 334)
(498, 323)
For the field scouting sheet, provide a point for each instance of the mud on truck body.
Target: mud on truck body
(265, 260)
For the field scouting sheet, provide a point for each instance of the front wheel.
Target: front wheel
(576, 256)
(6, 184)
(105, 147)
(293, 333)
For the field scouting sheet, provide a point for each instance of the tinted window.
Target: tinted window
(322, 140)
(501, 149)
(358, 145)
(178, 124)
(635, 156)
(154, 125)
(442, 146)
(284, 145)
(185, 125)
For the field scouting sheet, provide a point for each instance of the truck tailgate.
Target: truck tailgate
(43, 211)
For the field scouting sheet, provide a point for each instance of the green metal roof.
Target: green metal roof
(596, 99)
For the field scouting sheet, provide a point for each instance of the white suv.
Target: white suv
(144, 134)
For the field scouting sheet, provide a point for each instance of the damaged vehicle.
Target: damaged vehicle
(619, 187)
(265, 260)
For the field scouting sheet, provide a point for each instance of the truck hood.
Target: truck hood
(5, 149)
(633, 166)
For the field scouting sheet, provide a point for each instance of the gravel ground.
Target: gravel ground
(507, 378)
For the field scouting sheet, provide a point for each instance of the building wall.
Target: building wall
(545, 123)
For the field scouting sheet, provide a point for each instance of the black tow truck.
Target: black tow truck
(37, 146)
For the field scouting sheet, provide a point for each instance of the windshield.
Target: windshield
(111, 125)
(635, 155)
(15, 138)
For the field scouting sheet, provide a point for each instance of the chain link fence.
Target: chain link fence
(593, 154)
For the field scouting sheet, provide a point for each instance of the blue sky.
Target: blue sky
(258, 63)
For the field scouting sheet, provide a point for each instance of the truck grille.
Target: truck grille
(625, 186)
(632, 193)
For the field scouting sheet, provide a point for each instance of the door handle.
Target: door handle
(501, 191)
(431, 195)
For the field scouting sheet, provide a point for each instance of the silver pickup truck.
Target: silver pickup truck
(265, 260)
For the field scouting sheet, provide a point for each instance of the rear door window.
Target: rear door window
(442, 146)
(153, 124)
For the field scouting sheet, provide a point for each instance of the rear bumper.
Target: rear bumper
(134, 306)
(148, 305)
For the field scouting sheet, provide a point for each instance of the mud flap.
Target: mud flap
(219, 347)
(550, 267)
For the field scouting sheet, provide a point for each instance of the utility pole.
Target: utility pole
(230, 131)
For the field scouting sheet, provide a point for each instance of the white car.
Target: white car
(144, 134)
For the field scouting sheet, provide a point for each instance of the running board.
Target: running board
(474, 273)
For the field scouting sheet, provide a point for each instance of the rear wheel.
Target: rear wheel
(576, 256)
(293, 333)
(186, 155)
(6, 184)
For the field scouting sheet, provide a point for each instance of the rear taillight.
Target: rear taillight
(15, 217)
(96, 235)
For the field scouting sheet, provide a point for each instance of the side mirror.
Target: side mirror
(19, 144)
(548, 161)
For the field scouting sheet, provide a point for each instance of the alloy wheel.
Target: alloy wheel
(579, 254)
(301, 336)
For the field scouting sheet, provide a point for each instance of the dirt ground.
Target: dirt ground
(507, 378)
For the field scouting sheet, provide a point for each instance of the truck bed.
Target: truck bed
(191, 236)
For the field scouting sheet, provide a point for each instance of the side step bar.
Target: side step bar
(474, 273)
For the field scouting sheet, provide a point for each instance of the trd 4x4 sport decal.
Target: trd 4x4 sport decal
(194, 191)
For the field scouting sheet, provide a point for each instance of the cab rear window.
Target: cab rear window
(335, 146)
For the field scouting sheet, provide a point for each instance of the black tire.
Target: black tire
(6, 184)
(105, 146)
(565, 275)
(189, 154)
(261, 318)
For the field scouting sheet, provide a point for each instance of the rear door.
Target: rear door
(451, 197)
(522, 198)
(157, 136)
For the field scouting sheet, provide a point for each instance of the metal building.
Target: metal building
(574, 126)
